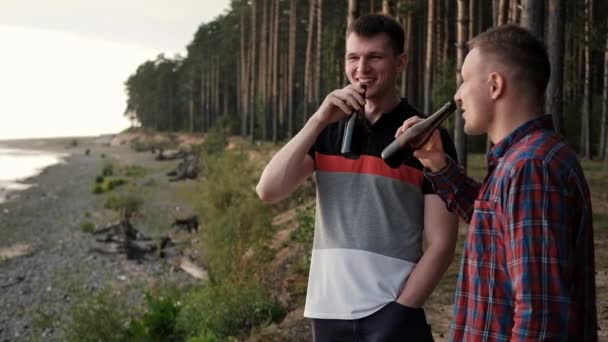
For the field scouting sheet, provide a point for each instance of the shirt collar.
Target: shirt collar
(500, 149)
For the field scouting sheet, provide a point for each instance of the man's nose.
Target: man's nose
(457, 97)
(363, 64)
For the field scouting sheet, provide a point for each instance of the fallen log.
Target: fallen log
(186, 169)
(189, 267)
(189, 224)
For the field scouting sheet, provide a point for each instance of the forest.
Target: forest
(262, 68)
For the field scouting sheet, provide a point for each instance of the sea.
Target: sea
(18, 165)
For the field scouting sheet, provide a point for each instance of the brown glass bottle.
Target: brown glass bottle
(351, 149)
(416, 136)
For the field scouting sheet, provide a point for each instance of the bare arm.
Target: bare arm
(440, 229)
(292, 164)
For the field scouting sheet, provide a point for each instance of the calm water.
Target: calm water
(16, 165)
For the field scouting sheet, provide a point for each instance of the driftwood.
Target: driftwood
(189, 224)
(170, 154)
(121, 238)
(186, 169)
(189, 267)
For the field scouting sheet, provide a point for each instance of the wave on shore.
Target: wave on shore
(17, 165)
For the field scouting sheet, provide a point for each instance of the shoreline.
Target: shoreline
(45, 257)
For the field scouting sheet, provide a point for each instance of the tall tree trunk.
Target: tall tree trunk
(308, 63)
(409, 44)
(587, 104)
(353, 12)
(264, 68)
(243, 75)
(275, 72)
(317, 69)
(428, 66)
(514, 13)
(503, 12)
(556, 56)
(604, 127)
(386, 7)
(292, 63)
(252, 74)
(472, 16)
(191, 106)
(460, 138)
(532, 17)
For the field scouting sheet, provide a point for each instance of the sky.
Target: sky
(63, 63)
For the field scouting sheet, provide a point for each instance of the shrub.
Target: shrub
(87, 227)
(98, 189)
(107, 170)
(125, 203)
(158, 323)
(134, 171)
(228, 308)
(305, 232)
(99, 317)
(99, 179)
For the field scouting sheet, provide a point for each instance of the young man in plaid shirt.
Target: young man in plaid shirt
(527, 271)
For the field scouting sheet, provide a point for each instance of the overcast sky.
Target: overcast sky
(63, 62)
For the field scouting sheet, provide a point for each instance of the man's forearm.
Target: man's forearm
(455, 188)
(426, 275)
(285, 170)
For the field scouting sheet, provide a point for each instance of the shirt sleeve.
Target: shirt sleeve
(455, 189)
(450, 150)
(536, 252)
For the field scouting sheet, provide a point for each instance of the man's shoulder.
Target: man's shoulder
(542, 149)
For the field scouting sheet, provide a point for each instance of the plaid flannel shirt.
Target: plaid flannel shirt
(527, 271)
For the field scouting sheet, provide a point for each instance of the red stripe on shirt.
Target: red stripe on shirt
(368, 165)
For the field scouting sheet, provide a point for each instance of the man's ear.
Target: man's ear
(497, 85)
(402, 61)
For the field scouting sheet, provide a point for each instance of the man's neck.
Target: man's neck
(374, 108)
(511, 118)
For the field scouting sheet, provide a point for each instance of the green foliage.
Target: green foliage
(107, 170)
(87, 227)
(99, 179)
(305, 232)
(98, 189)
(128, 204)
(158, 323)
(227, 308)
(98, 317)
(240, 219)
(107, 184)
(134, 171)
(215, 141)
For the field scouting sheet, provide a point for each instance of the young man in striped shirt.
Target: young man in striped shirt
(369, 274)
(527, 270)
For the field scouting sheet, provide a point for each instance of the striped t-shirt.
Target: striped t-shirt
(369, 220)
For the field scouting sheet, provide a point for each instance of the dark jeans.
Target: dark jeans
(394, 322)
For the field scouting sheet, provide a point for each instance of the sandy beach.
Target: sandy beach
(44, 254)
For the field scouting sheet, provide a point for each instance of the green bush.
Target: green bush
(305, 232)
(127, 204)
(228, 308)
(99, 179)
(87, 227)
(107, 170)
(158, 323)
(98, 189)
(240, 219)
(99, 317)
(134, 171)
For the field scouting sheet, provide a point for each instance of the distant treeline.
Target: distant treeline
(265, 65)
